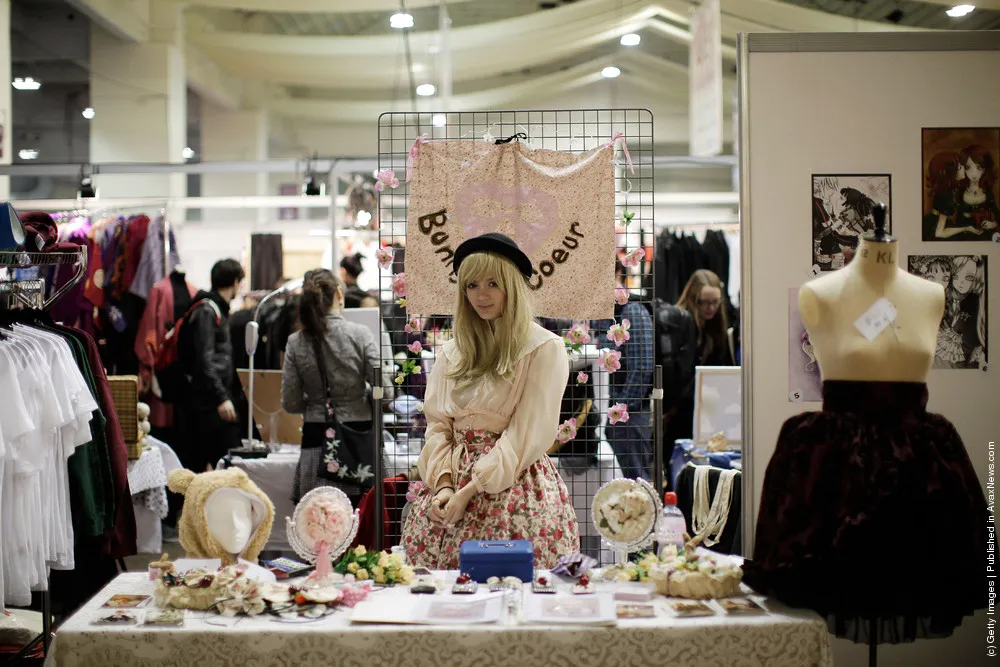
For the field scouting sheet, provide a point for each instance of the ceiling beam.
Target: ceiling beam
(316, 6)
(128, 20)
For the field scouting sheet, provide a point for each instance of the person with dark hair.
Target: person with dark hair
(350, 269)
(209, 416)
(350, 356)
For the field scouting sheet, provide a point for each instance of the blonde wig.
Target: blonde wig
(486, 351)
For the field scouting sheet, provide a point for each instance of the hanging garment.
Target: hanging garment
(152, 262)
(266, 261)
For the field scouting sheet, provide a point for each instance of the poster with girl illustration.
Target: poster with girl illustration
(960, 184)
(962, 338)
(842, 206)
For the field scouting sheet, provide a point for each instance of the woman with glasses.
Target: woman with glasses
(702, 297)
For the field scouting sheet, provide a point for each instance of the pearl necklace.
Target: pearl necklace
(711, 521)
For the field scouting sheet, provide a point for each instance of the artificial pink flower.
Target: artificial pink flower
(610, 360)
(578, 335)
(399, 284)
(413, 491)
(413, 325)
(330, 434)
(566, 431)
(633, 258)
(621, 296)
(333, 466)
(581, 378)
(386, 179)
(415, 347)
(618, 413)
(618, 333)
(384, 257)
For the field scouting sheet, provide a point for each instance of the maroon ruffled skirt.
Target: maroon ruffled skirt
(872, 515)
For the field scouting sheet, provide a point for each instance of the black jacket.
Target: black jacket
(206, 352)
(676, 345)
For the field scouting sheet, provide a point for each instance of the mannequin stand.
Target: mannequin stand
(872, 644)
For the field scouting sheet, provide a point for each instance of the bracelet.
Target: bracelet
(442, 488)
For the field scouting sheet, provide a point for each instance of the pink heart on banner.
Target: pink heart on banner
(484, 207)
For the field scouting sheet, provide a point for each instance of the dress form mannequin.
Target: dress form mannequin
(830, 305)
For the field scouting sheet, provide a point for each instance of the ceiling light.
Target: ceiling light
(26, 83)
(88, 113)
(27, 154)
(187, 153)
(426, 89)
(959, 11)
(439, 120)
(631, 39)
(401, 20)
(417, 68)
(87, 189)
(611, 72)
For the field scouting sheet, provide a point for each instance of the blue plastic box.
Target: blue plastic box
(483, 559)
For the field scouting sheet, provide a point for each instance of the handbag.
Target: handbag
(349, 454)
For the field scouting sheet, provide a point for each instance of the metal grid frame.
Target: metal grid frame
(566, 130)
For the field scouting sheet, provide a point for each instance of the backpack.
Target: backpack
(168, 373)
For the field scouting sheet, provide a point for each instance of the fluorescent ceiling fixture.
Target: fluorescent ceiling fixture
(417, 68)
(439, 120)
(320, 232)
(959, 11)
(88, 113)
(27, 154)
(611, 72)
(401, 20)
(426, 89)
(187, 153)
(631, 39)
(26, 83)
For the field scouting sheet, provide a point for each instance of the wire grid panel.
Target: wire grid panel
(601, 451)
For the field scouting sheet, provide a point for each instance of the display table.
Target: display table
(782, 638)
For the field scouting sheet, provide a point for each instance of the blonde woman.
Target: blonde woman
(492, 408)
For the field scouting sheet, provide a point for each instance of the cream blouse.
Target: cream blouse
(524, 408)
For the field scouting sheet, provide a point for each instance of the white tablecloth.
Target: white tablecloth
(782, 638)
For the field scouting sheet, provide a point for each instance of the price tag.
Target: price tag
(795, 396)
(874, 320)
(815, 270)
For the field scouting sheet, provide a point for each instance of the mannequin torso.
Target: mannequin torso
(831, 304)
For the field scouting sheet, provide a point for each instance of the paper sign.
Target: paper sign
(876, 319)
(795, 396)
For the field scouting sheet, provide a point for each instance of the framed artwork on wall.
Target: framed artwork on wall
(960, 183)
(842, 211)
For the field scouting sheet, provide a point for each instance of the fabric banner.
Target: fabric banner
(559, 207)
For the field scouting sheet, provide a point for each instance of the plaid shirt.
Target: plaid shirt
(637, 354)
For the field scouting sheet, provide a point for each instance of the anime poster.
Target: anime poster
(960, 184)
(962, 338)
(842, 208)
(804, 381)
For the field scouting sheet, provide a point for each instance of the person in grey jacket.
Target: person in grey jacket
(351, 357)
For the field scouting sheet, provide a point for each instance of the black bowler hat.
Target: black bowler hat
(496, 243)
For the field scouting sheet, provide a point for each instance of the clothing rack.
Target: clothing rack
(23, 291)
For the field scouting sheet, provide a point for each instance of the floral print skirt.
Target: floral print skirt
(537, 508)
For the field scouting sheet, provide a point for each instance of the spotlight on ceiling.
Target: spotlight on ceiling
(28, 154)
(426, 89)
(87, 189)
(439, 120)
(88, 113)
(187, 153)
(27, 83)
(958, 11)
(313, 187)
(401, 21)
(895, 16)
(630, 39)
(611, 72)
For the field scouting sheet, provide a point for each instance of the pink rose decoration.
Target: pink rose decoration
(578, 335)
(415, 347)
(581, 378)
(386, 179)
(618, 333)
(621, 296)
(618, 413)
(333, 466)
(413, 325)
(413, 491)
(610, 360)
(330, 434)
(633, 258)
(566, 431)
(399, 284)
(384, 257)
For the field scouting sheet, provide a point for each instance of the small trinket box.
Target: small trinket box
(543, 585)
(464, 585)
(495, 584)
(423, 584)
(583, 586)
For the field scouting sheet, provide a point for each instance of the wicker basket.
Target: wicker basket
(125, 393)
